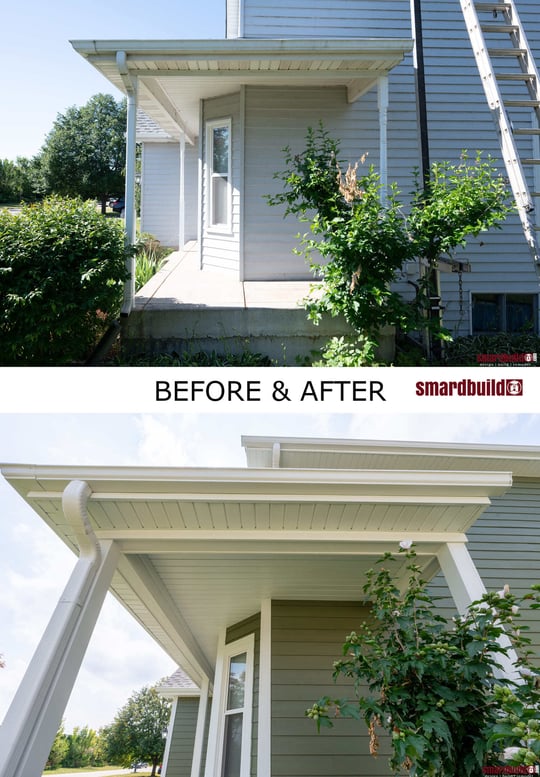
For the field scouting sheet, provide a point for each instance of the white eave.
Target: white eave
(200, 549)
(173, 75)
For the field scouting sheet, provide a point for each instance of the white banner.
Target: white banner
(273, 389)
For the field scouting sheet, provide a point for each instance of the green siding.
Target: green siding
(505, 546)
(183, 738)
(251, 625)
(307, 638)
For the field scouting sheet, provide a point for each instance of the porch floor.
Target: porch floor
(185, 309)
(180, 283)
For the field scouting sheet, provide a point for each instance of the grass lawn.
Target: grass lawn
(66, 770)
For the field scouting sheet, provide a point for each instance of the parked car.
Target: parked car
(118, 205)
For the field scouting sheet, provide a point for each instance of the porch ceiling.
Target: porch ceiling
(175, 75)
(201, 548)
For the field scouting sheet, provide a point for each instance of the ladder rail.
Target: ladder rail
(526, 62)
(496, 103)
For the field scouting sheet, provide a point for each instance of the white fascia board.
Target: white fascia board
(235, 48)
(176, 477)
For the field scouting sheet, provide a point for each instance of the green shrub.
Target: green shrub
(62, 268)
(150, 256)
(463, 351)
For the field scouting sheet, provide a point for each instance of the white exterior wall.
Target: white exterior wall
(276, 117)
(220, 250)
(458, 119)
(160, 195)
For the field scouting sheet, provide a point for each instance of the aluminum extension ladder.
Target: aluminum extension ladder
(515, 66)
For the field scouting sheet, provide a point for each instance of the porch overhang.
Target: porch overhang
(200, 549)
(174, 75)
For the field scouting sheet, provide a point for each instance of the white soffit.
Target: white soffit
(522, 461)
(175, 74)
(201, 548)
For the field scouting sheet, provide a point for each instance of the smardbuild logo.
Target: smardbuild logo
(511, 387)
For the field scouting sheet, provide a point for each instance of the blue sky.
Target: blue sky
(43, 76)
(35, 565)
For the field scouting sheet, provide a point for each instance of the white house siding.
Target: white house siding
(458, 119)
(191, 191)
(222, 250)
(161, 191)
(276, 117)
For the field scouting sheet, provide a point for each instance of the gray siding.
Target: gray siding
(183, 738)
(324, 19)
(307, 638)
(222, 250)
(160, 195)
(505, 546)
(251, 625)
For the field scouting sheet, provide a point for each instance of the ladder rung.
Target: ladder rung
(493, 6)
(534, 194)
(522, 103)
(515, 76)
(530, 161)
(499, 28)
(527, 131)
(507, 52)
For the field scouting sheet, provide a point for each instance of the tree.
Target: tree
(59, 749)
(83, 748)
(139, 730)
(362, 236)
(435, 686)
(84, 154)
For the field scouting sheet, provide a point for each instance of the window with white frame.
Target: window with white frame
(218, 158)
(512, 313)
(234, 742)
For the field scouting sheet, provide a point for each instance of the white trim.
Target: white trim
(199, 731)
(264, 730)
(170, 729)
(210, 126)
(216, 733)
(182, 198)
(211, 753)
(241, 183)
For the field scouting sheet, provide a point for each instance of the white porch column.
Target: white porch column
(182, 198)
(130, 83)
(466, 586)
(35, 714)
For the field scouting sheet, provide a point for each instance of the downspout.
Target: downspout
(182, 198)
(382, 97)
(130, 84)
(434, 312)
(35, 714)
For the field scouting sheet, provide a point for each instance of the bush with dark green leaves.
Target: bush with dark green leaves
(62, 268)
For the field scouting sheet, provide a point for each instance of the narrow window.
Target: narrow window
(218, 144)
(236, 712)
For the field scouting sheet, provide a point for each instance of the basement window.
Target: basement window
(236, 709)
(512, 313)
(218, 156)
